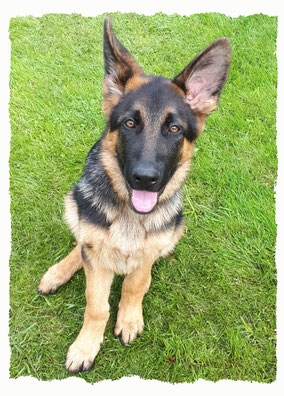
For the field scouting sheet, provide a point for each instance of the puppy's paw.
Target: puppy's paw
(128, 327)
(81, 358)
(49, 283)
(52, 280)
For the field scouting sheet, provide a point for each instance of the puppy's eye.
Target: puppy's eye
(130, 123)
(174, 129)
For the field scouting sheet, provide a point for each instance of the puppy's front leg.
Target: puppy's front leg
(130, 322)
(83, 351)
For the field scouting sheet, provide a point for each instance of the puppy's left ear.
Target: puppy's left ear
(203, 79)
(120, 66)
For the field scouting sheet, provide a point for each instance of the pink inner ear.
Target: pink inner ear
(198, 93)
(195, 86)
(205, 77)
(199, 88)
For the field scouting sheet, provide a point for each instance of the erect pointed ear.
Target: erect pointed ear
(203, 79)
(120, 66)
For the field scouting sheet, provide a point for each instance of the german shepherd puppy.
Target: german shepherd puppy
(125, 211)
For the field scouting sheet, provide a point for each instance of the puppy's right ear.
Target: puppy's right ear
(120, 66)
(203, 79)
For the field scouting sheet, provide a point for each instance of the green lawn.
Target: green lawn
(210, 312)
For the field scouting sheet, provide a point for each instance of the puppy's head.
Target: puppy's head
(153, 121)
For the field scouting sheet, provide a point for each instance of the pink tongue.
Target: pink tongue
(144, 201)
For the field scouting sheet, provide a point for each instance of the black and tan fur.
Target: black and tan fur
(113, 237)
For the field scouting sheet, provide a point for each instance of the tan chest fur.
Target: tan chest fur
(129, 242)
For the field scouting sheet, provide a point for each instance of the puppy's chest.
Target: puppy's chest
(131, 240)
(137, 240)
(127, 233)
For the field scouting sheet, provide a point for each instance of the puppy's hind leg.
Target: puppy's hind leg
(62, 272)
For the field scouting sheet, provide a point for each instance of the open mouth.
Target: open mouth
(144, 201)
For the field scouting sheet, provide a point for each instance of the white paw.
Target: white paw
(81, 358)
(49, 283)
(127, 331)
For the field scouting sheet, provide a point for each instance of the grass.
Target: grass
(210, 312)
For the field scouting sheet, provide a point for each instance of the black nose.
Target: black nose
(145, 177)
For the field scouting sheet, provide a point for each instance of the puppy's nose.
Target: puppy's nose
(145, 178)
